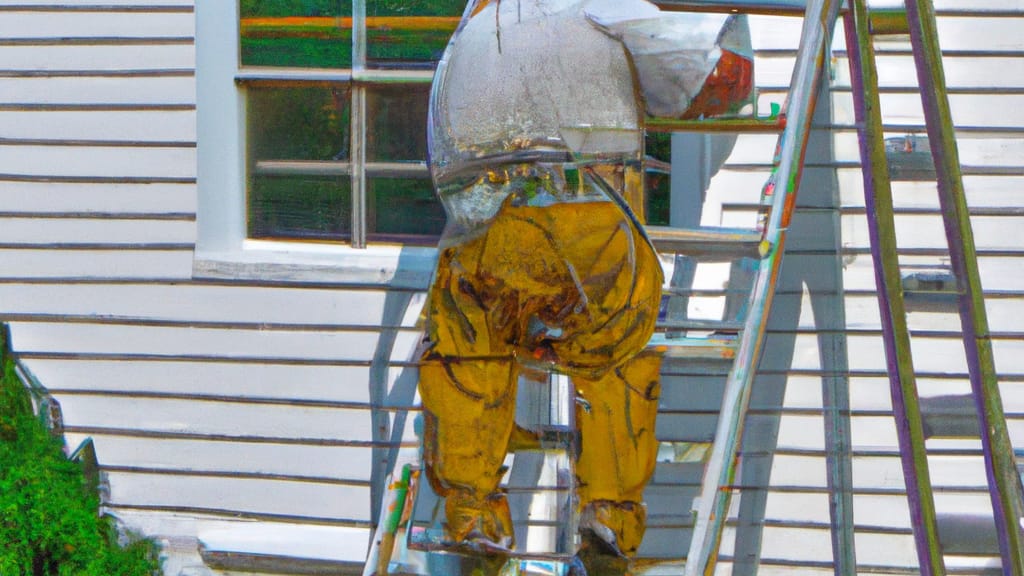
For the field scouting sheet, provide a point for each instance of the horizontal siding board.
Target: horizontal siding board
(974, 151)
(98, 90)
(30, 24)
(991, 34)
(805, 432)
(120, 125)
(979, 5)
(265, 497)
(97, 264)
(773, 72)
(405, 346)
(962, 72)
(97, 58)
(997, 273)
(965, 72)
(890, 511)
(350, 463)
(815, 545)
(103, 5)
(227, 419)
(63, 198)
(981, 191)
(947, 472)
(1004, 315)
(112, 162)
(797, 507)
(928, 232)
(742, 187)
(41, 230)
(187, 303)
(205, 342)
(296, 383)
(866, 353)
(984, 110)
(774, 32)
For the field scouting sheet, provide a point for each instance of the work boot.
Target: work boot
(617, 526)
(479, 523)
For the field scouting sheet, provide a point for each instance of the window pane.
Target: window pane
(399, 208)
(298, 123)
(298, 140)
(409, 33)
(296, 33)
(658, 147)
(303, 208)
(396, 127)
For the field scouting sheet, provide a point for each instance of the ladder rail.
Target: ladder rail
(1003, 478)
(896, 337)
(721, 467)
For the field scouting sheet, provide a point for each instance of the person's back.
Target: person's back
(518, 84)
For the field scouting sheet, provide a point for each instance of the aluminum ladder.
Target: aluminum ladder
(981, 412)
(766, 245)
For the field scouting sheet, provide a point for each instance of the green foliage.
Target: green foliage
(49, 521)
(270, 8)
(658, 145)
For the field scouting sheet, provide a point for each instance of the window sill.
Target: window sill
(406, 267)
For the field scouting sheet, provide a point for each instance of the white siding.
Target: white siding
(205, 400)
(256, 399)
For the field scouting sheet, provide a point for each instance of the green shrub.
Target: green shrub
(49, 515)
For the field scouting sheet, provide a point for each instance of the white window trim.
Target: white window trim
(222, 249)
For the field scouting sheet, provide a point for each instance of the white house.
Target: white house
(250, 392)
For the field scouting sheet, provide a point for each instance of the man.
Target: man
(536, 143)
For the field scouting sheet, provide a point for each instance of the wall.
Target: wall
(217, 401)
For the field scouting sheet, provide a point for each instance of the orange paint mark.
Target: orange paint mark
(480, 7)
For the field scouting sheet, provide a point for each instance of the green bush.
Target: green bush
(49, 515)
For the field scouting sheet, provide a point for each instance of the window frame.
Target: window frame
(223, 247)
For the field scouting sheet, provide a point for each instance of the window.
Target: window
(312, 129)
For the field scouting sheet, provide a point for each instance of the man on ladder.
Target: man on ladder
(536, 142)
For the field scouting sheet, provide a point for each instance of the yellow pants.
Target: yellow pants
(572, 287)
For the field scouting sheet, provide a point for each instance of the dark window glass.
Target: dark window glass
(658, 148)
(396, 127)
(409, 33)
(296, 33)
(404, 210)
(300, 208)
(298, 131)
(396, 134)
(298, 123)
(298, 141)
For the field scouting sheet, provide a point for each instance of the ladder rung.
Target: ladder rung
(710, 348)
(952, 416)
(769, 125)
(888, 21)
(707, 241)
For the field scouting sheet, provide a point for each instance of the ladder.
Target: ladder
(712, 506)
(916, 419)
(949, 416)
(743, 345)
